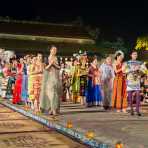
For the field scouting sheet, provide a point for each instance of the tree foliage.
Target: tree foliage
(119, 44)
(94, 32)
(142, 43)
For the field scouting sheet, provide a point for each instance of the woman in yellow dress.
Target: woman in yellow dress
(31, 72)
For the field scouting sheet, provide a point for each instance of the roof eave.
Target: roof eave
(47, 38)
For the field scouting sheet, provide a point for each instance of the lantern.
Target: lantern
(119, 145)
(69, 124)
(90, 135)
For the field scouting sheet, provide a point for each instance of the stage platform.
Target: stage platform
(18, 131)
(108, 127)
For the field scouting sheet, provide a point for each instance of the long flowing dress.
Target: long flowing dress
(107, 84)
(6, 73)
(37, 81)
(89, 97)
(83, 80)
(75, 83)
(31, 69)
(25, 84)
(94, 96)
(51, 89)
(97, 95)
(1, 76)
(11, 82)
(18, 85)
(119, 96)
(64, 85)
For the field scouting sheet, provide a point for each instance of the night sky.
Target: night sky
(126, 19)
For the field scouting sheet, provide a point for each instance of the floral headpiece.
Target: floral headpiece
(119, 51)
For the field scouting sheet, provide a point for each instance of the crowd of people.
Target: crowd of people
(42, 86)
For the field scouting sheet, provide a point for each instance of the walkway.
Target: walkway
(18, 131)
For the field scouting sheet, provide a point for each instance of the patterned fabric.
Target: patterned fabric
(9, 91)
(65, 85)
(37, 86)
(83, 85)
(107, 83)
(133, 76)
(1, 76)
(37, 81)
(76, 81)
(107, 72)
(11, 82)
(30, 82)
(83, 80)
(4, 81)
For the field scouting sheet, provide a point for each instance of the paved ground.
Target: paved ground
(17, 131)
(109, 127)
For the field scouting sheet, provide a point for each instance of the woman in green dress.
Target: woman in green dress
(51, 85)
(11, 80)
(75, 82)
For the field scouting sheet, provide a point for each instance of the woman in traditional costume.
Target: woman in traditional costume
(51, 85)
(63, 75)
(83, 78)
(64, 85)
(38, 73)
(119, 96)
(1, 77)
(31, 72)
(18, 83)
(75, 82)
(97, 88)
(107, 75)
(94, 96)
(25, 84)
(11, 81)
(6, 73)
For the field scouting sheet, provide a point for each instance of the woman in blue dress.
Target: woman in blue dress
(25, 84)
(94, 96)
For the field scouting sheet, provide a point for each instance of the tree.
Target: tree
(142, 43)
(119, 44)
(79, 21)
(93, 32)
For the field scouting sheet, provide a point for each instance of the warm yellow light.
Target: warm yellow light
(69, 124)
(142, 43)
(119, 146)
(90, 135)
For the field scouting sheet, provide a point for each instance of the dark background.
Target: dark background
(127, 19)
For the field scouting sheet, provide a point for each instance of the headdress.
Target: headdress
(119, 51)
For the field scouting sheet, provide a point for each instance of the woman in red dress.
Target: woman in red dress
(18, 83)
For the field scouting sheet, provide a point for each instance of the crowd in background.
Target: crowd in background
(41, 86)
